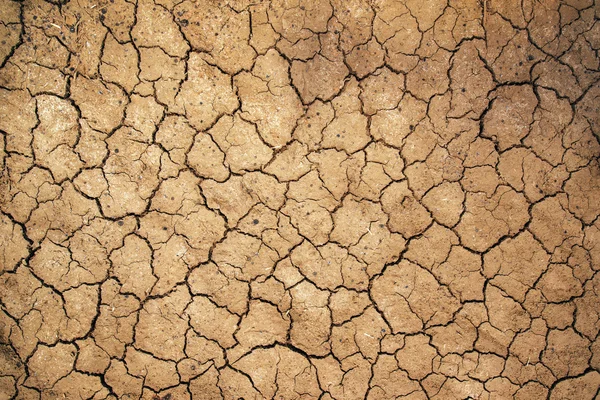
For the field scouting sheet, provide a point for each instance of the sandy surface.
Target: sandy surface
(305, 199)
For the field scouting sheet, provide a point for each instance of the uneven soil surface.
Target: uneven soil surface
(303, 199)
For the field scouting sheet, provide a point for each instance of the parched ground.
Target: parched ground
(305, 199)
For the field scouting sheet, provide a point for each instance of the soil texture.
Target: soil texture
(300, 199)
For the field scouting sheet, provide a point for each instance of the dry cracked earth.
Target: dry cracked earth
(304, 199)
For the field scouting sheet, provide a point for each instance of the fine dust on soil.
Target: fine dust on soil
(303, 199)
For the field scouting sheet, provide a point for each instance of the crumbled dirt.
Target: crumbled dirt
(299, 199)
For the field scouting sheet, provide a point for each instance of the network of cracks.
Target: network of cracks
(299, 199)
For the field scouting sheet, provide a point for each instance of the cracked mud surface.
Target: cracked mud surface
(305, 199)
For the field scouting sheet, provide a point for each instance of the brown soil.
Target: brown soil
(299, 199)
